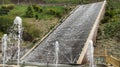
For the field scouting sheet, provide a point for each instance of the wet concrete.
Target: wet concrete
(71, 35)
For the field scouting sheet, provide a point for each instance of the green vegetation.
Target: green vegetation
(6, 8)
(37, 20)
(63, 1)
(109, 31)
(5, 23)
(111, 22)
(30, 12)
(43, 12)
(71, 1)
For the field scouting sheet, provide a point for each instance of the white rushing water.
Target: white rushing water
(4, 48)
(11, 43)
(56, 52)
(18, 22)
(71, 35)
(91, 54)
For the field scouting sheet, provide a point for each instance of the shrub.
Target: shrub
(37, 8)
(3, 12)
(54, 13)
(36, 16)
(58, 14)
(8, 7)
(65, 9)
(51, 12)
(5, 23)
(109, 14)
(40, 10)
(30, 32)
(30, 12)
(112, 29)
(106, 19)
(27, 36)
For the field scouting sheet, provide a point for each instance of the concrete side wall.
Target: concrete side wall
(96, 30)
(92, 36)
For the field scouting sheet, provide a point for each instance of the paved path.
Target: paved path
(71, 35)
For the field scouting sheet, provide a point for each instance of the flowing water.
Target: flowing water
(18, 23)
(13, 40)
(56, 52)
(4, 48)
(63, 46)
(90, 54)
(71, 35)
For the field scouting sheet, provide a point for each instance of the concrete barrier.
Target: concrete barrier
(92, 35)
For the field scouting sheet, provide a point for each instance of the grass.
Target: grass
(18, 10)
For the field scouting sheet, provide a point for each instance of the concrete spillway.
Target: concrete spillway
(71, 36)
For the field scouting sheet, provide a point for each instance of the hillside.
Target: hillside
(48, 1)
(109, 30)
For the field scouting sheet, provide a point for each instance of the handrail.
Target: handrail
(112, 60)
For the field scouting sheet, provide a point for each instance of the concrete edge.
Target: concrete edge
(37, 44)
(91, 35)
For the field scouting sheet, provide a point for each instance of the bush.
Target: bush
(37, 8)
(58, 14)
(109, 14)
(8, 7)
(51, 12)
(5, 23)
(30, 12)
(66, 9)
(30, 32)
(112, 29)
(106, 19)
(27, 36)
(40, 10)
(3, 12)
(54, 13)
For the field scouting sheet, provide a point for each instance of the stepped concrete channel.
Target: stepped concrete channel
(71, 36)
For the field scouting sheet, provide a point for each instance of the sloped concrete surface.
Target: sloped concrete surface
(71, 35)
